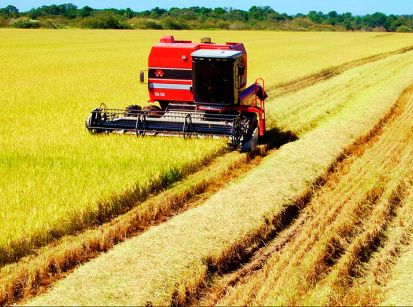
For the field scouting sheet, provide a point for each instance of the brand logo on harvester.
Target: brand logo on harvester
(159, 73)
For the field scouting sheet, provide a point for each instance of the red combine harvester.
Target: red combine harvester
(201, 91)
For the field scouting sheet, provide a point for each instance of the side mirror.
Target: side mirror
(142, 76)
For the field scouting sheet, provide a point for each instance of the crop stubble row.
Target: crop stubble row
(364, 207)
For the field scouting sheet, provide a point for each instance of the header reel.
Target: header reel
(239, 129)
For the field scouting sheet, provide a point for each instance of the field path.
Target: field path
(170, 261)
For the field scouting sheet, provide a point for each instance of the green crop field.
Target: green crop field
(57, 182)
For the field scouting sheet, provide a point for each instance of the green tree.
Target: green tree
(157, 12)
(260, 12)
(86, 11)
(375, 20)
(129, 13)
(67, 10)
(316, 17)
(236, 15)
(218, 12)
(9, 11)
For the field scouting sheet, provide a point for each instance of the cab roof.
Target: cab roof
(216, 53)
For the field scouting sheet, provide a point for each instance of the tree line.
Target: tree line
(257, 17)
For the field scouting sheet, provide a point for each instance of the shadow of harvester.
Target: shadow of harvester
(275, 138)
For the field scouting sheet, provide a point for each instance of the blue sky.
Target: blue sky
(358, 7)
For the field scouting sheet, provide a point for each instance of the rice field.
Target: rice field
(168, 263)
(56, 179)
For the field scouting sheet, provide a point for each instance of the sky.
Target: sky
(357, 7)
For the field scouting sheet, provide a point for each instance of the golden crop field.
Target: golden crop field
(57, 180)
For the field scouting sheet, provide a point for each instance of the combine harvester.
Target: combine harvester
(201, 91)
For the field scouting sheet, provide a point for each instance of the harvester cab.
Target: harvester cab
(201, 91)
(217, 76)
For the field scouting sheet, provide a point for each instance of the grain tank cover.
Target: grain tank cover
(216, 54)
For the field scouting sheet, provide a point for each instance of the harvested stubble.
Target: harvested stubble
(54, 177)
(400, 289)
(170, 261)
(295, 85)
(369, 288)
(306, 109)
(331, 259)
